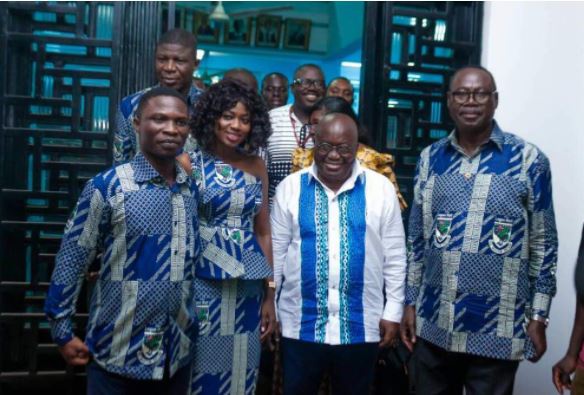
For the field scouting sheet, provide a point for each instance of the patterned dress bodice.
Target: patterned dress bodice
(229, 200)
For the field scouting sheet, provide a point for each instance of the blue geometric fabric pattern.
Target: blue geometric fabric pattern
(352, 246)
(482, 245)
(229, 278)
(229, 201)
(313, 221)
(125, 144)
(142, 312)
(228, 347)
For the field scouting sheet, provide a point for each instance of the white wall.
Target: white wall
(536, 54)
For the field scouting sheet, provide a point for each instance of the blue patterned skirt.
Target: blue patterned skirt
(228, 347)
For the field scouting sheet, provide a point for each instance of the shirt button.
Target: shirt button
(467, 175)
(175, 252)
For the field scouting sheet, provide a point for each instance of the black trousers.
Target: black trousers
(351, 367)
(102, 382)
(441, 372)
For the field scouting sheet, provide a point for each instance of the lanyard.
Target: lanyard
(302, 137)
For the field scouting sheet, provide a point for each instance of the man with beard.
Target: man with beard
(175, 62)
(483, 250)
(289, 123)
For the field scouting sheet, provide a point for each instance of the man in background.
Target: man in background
(341, 87)
(244, 76)
(275, 90)
(175, 62)
(289, 122)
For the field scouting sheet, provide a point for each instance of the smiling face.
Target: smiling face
(175, 65)
(471, 116)
(232, 127)
(336, 143)
(341, 88)
(306, 95)
(163, 126)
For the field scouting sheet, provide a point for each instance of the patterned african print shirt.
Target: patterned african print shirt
(125, 145)
(334, 256)
(482, 245)
(142, 313)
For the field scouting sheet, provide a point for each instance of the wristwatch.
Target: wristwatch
(539, 318)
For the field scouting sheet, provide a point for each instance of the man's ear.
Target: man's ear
(136, 122)
(496, 99)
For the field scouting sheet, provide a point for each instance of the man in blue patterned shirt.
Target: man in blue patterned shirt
(175, 63)
(482, 250)
(142, 215)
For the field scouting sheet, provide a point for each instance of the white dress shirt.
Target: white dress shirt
(334, 256)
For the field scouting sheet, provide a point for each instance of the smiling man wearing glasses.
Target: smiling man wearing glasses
(339, 246)
(289, 122)
(483, 250)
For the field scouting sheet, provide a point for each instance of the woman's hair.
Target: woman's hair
(333, 104)
(224, 96)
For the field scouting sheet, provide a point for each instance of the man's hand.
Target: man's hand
(75, 352)
(389, 332)
(536, 332)
(268, 323)
(561, 373)
(408, 327)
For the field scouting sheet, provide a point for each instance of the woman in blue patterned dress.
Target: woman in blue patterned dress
(234, 297)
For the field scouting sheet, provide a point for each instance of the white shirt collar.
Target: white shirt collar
(356, 172)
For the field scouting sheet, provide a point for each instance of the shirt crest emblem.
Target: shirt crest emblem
(442, 230)
(224, 175)
(202, 310)
(500, 242)
(234, 235)
(151, 349)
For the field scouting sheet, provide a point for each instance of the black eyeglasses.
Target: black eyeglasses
(326, 148)
(462, 97)
(307, 83)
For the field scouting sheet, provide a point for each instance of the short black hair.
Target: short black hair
(474, 67)
(181, 37)
(334, 104)
(306, 66)
(340, 78)
(155, 92)
(221, 97)
(232, 74)
(274, 74)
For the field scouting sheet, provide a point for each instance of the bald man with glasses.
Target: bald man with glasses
(483, 250)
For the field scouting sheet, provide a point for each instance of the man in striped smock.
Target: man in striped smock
(142, 323)
(338, 244)
(482, 263)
